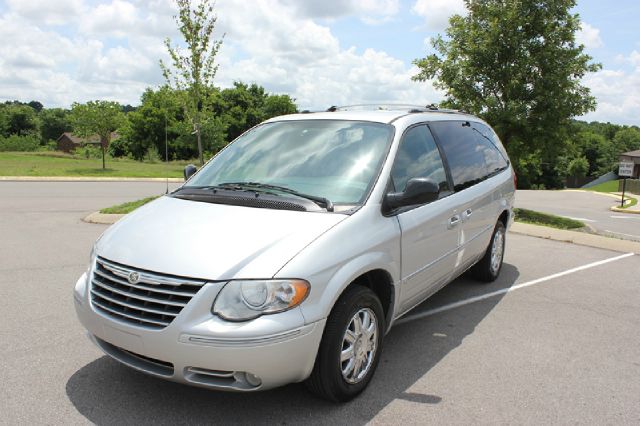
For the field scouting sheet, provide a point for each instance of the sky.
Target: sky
(320, 52)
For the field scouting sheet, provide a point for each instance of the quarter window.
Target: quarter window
(418, 156)
(471, 155)
(495, 153)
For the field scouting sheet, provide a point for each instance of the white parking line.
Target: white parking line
(581, 219)
(508, 290)
(622, 233)
(625, 217)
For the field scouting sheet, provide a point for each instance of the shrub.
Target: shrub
(152, 155)
(19, 143)
(538, 186)
(119, 147)
(89, 151)
(49, 146)
(578, 167)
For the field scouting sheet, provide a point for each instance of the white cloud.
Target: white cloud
(118, 18)
(370, 11)
(130, 19)
(113, 52)
(436, 13)
(589, 36)
(49, 12)
(617, 93)
(634, 58)
(305, 59)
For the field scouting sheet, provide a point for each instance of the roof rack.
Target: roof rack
(393, 107)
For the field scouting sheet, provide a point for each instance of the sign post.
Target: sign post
(625, 170)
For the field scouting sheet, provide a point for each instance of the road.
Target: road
(591, 208)
(554, 340)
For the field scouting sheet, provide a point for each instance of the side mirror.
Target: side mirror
(189, 170)
(417, 191)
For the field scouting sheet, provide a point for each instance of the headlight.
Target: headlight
(92, 257)
(248, 299)
(80, 289)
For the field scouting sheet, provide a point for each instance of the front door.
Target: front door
(429, 233)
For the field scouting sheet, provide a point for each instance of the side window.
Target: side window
(495, 155)
(418, 156)
(466, 155)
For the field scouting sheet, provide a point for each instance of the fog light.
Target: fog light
(253, 380)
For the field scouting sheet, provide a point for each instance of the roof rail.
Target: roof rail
(393, 107)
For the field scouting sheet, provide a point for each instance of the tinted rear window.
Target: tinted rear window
(471, 155)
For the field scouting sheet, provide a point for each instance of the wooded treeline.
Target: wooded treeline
(31, 127)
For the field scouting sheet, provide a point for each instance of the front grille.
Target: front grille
(152, 300)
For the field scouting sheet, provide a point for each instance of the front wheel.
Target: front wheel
(350, 347)
(488, 268)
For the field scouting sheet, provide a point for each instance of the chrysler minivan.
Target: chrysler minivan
(291, 253)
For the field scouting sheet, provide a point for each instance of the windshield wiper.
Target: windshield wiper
(213, 188)
(321, 201)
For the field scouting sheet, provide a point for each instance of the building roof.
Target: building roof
(91, 139)
(632, 153)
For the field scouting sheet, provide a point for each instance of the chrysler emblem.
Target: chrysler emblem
(134, 277)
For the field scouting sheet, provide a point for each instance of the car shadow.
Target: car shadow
(106, 392)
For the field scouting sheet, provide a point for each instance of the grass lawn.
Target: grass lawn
(125, 208)
(59, 164)
(537, 218)
(611, 186)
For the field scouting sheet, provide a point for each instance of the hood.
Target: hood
(211, 241)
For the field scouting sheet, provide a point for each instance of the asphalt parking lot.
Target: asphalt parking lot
(554, 340)
(588, 207)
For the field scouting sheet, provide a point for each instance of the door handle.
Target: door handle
(454, 221)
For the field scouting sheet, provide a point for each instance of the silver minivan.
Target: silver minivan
(290, 254)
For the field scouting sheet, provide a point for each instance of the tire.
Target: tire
(488, 268)
(331, 377)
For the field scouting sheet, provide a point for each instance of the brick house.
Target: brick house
(68, 142)
(632, 157)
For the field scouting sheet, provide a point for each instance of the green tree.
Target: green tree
(598, 151)
(147, 124)
(516, 64)
(54, 122)
(578, 167)
(627, 139)
(37, 106)
(97, 118)
(243, 106)
(276, 105)
(161, 115)
(18, 119)
(193, 70)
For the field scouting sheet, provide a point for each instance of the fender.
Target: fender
(322, 304)
(333, 261)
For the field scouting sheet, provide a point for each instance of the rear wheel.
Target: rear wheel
(350, 347)
(488, 268)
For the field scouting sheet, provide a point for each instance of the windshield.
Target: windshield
(334, 159)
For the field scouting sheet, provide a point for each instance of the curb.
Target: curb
(579, 238)
(614, 208)
(627, 210)
(102, 218)
(633, 210)
(85, 179)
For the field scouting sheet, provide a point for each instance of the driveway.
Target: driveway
(589, 207)
(554, 340)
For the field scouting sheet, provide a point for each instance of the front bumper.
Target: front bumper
(200, 349)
